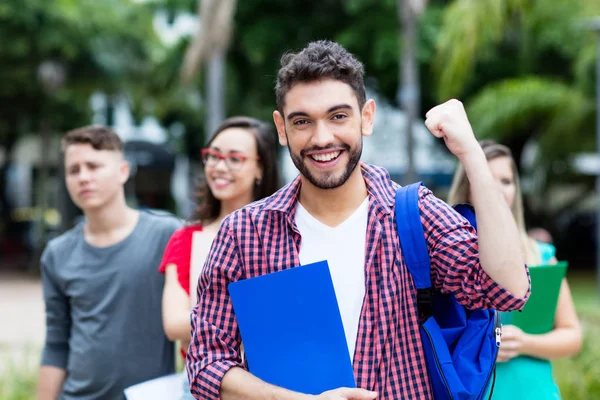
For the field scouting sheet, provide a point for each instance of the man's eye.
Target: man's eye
(300, 122)
(339, 117)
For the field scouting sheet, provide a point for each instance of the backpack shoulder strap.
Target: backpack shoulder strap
(411, 235)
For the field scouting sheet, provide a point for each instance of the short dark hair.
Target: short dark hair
(322, 59)
(208, 206)
(98, 136)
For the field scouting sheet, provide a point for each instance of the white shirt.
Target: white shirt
(344, 249)
(201, 243)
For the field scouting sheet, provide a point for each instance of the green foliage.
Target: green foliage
(522, 36)
(102, 45)
(482, 23)
(579, 377)
(544, 107)
(525, 69)
(367, 28)
(18, 385)
(260, 39)
(18, 381)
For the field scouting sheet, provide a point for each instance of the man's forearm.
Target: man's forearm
(238, 384)
(500, 250)
(50, 382)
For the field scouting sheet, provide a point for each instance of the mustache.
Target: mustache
(343, 146)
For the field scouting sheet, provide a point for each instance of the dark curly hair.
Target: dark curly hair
(208, 206)
(322, 59)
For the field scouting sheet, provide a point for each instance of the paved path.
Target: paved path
(22, 325)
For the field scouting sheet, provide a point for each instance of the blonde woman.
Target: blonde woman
(524, 370)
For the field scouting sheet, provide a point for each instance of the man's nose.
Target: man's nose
(323, 135)
(84, 175)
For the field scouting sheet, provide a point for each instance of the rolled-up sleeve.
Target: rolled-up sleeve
(215, 343)
(454, 253)
(58, 318)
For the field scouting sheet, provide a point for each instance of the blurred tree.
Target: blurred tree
(54, 55)
(524, 69)
(106, 46)
(262, 30)
(265, 29)
(409, 89)
(209, 46)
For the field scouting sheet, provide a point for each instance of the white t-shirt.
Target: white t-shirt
(344, 249)
(201, 242)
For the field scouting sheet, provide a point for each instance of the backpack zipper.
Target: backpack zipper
(498, 336)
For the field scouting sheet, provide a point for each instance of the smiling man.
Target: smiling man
(342, 211)
(102, 290)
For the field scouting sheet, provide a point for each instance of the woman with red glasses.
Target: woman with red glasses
(240, 166)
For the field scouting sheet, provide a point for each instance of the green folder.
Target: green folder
(538, 314)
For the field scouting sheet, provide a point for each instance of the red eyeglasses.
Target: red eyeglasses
(234, 161)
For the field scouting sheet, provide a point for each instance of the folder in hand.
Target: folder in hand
(292, 330)
(538, 314)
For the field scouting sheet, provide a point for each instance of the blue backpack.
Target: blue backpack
(460, 345)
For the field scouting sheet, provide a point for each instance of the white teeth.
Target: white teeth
(326, 156)
(221, 181)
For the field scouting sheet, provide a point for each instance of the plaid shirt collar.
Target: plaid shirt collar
(380, 187)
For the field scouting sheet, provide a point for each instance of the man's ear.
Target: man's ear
(125, 170)
(280, 125)
(368, 117)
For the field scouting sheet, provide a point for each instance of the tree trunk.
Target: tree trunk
(409, 92)
(215, 96)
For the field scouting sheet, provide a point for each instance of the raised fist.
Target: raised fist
(449, 121)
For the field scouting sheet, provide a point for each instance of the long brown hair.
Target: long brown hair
(459, 193)
(208, 206)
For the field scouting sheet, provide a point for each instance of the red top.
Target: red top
(179, 252)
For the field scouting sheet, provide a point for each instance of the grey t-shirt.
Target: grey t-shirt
(103, 310)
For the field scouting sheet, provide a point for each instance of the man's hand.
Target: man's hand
(50, 382)
(347, 394)
(512, 343)
(449, 121)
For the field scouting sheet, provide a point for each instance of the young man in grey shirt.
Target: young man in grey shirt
(101, 286)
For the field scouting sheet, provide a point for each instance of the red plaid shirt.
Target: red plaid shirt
(263, 238)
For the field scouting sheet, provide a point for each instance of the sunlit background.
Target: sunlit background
(164, 73)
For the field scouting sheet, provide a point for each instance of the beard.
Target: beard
(328, 180)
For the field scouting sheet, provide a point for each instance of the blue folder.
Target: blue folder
(292, 330)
